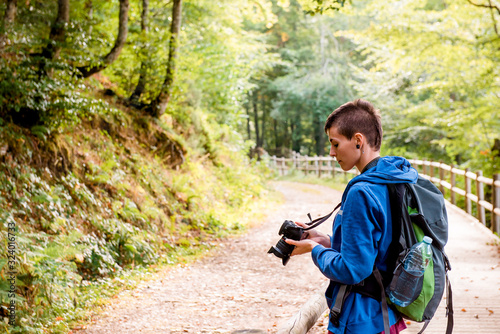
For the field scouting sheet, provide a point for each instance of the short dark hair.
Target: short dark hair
(357, 116)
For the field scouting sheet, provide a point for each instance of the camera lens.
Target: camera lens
(282, 250)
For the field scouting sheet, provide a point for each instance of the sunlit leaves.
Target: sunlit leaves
(431, 65)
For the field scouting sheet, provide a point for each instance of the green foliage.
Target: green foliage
(432, 68)
(300, 89)
(313, 7)
(118, 208)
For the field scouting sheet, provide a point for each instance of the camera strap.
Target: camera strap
(320, 220)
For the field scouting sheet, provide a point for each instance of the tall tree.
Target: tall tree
(121, 38)
(141, 84)
(9, 17)
(263, 128)
(256, 117)
(57, 31)
(158, 106)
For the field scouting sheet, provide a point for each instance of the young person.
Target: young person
(362, 229)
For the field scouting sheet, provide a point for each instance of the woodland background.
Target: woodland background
(133, 133)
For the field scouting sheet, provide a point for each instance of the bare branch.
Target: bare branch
(492, 8)
(485, 6)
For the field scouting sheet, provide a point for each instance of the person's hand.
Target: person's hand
(301, 246)
(314, 235)
(310, 239)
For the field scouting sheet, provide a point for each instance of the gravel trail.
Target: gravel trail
(239, 287)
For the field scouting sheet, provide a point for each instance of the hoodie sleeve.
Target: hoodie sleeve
(360, 235)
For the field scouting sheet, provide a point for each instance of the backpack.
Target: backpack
(417, 210)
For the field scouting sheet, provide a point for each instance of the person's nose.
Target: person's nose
(332, 152)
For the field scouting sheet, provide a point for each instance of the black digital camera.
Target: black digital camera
(288, 230)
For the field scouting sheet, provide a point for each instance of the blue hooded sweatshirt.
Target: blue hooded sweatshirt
(362, 233)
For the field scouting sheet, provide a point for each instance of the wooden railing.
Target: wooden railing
(476, 187)
(321, 166)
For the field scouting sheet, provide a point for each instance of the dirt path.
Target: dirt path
(240, 287)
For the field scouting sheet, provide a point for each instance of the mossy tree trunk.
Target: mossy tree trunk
(141, 84)
(57, 31)
(158, 106)
(121, 38)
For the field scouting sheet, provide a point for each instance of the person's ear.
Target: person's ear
(359, 138)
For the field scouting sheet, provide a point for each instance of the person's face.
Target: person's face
(342, 149)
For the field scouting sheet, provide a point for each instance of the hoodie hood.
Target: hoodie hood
(388, 170)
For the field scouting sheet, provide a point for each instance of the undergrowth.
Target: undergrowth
(92, 209)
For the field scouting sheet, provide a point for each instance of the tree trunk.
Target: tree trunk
(276, 143)
(90, 7)
(263, 123)
(256, 119)
(159, 105)
(57, 31)
(287, 142)
(9, 17)
(247, 108)
(319, 135)
(296, 137)
(87, 71)
(141, 84)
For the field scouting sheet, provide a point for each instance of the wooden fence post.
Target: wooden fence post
(453, 183)
(480, 197)
(495, 200)
(441, 177)
(468, 203)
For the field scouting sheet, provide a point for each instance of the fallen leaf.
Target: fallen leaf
(464, 310)
(491, 312)
(476, 316)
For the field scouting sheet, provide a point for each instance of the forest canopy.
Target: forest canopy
(272, 70)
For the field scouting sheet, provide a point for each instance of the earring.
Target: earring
(357, 146)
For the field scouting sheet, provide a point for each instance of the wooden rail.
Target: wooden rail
(321, 166)
(476, 187)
